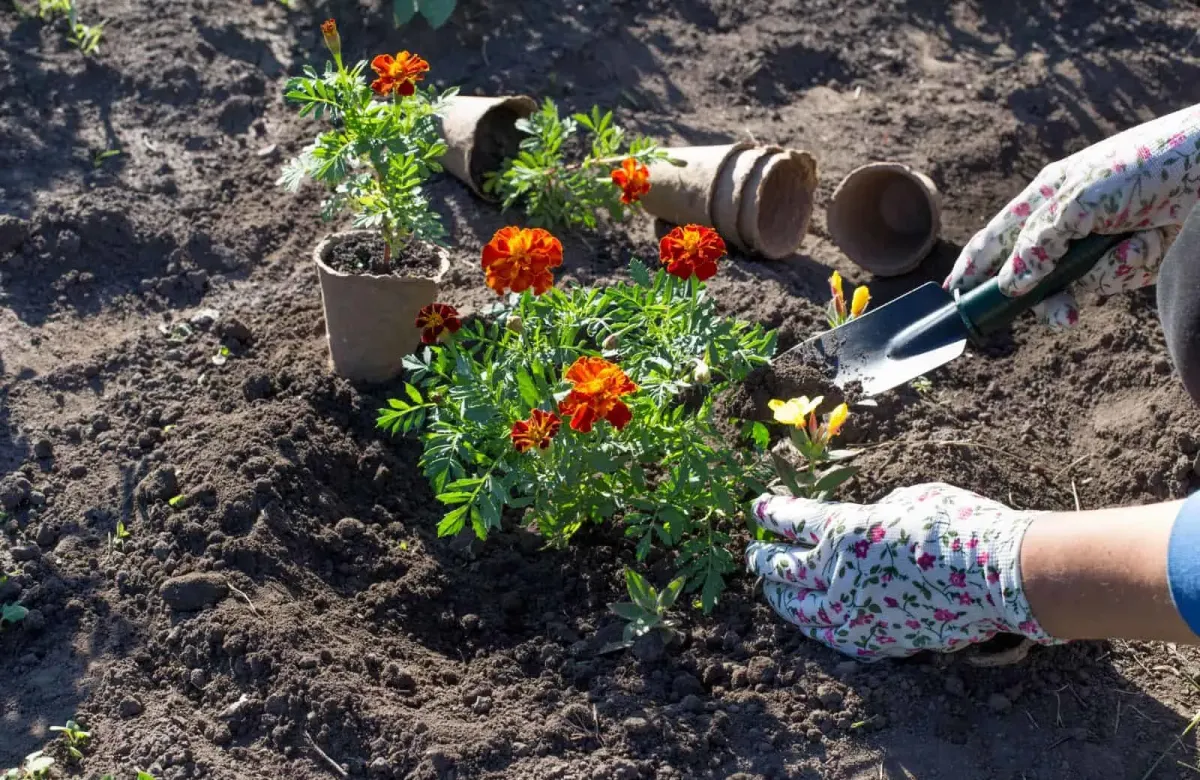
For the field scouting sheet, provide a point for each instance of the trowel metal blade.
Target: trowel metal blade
(866, 349)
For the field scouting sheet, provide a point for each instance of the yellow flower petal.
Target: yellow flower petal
(837, 418)
(794, 411)
(862, 296)
(835, 290)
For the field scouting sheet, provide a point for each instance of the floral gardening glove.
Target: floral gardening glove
(1143, 180)
(930, 567)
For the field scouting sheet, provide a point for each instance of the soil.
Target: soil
(282, 596)
(363, 253)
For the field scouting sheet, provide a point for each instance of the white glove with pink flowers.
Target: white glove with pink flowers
(930, 567)
(1142, 181)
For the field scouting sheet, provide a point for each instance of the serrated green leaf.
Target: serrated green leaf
(454, 521)
(527, 389)
(413, 393)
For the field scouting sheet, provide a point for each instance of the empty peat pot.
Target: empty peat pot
(480, 134)
(776, 203)
(758, 198)
(681, 192)
(886, 217)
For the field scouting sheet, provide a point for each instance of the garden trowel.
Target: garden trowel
(928, 327)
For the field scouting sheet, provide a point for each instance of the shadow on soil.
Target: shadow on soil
(1091, 53)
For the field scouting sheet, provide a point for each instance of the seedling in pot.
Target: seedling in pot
(76, 738)
(646, 610)
(376, 157)
(555, 191)
(36, 766)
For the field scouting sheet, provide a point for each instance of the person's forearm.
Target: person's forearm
(1103, 574)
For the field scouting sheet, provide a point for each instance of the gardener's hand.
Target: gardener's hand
(930, 567)
(1143, 180)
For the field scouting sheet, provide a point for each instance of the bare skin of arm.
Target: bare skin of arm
(1103, 573)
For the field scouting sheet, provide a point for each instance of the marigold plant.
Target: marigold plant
(558, 189)
(384, 142)
(560, 407)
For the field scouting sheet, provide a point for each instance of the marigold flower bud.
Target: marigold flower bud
(612, 342)
(333, 41)
(515, 324)
(703, 374)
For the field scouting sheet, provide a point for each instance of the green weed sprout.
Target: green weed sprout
(75, 737)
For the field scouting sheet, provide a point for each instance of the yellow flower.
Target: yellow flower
(837, 418)
(862, 296)
(839, 297)
(794, 411)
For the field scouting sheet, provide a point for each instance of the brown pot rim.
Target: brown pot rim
(325, 243)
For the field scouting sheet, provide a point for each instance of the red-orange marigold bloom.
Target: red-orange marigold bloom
(599, 386)
(537, 431)
(633, 179)
(520, 258)
(691, 249)
(398, 74)
(436, 319)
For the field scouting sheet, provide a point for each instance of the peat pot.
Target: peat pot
(480, 134)
(370, 316)
(886, 217)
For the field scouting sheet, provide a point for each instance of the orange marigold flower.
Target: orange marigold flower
(520, 258)
(537, 431)
(596, 395)
(398, 74)
(691, 249)
(333, 41)
(633, 179)
(436, 319)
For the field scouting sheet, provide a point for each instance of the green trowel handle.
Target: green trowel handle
(986, 309)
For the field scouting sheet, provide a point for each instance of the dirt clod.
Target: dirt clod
(194, 591)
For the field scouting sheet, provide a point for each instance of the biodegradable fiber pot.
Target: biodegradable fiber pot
(370, 320)
(683, 194)
(776, 203)
(886, 217)
(481, 133)
(731, 181)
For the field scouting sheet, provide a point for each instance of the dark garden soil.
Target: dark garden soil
(364, 253)
(296, 598)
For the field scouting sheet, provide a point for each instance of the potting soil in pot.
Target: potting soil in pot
(363, 254)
